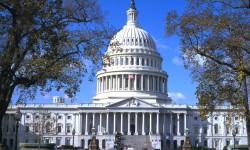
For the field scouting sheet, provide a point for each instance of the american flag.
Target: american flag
(131, 76)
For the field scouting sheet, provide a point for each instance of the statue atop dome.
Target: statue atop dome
(132, 6)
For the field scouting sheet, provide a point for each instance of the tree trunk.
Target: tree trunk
(5, 98)
(246, 105)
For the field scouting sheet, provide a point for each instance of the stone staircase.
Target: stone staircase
(138, 142)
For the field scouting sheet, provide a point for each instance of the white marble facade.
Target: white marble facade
(132, 99)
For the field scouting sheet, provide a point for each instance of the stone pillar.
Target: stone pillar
(178, 124)
(80, 124)
(153, 84)
(128, 82)
(148, 82)
(164, 122)
(143, 122)
(86, 124)
(118, 84)
(136, 123)
(171, 124)
(185, 121)
(107, 122)
(114, 123)
(100, 122)
(150, 123)
(123, 82)
(135, 82)
(122, 123)
(142, 84)
(165, 86)
(110, 83)
(157, 123)
(129, 133)
(93, 124)
(97, 85)
(116, 81)
(106, 82)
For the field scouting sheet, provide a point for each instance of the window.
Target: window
(121, 61)
(13, 128)
(37, 117)
(137, 61)
(59, 129)
(48, 127)
(227, 128)
(196, 142)
(11, 143)
(132, 61)
(237, 130)
(237, 142)
(215, 118)
(35, 141)
(126, 61)
(67, 141)
(46, 141)
(27, 128)
(36, 129)
(58, 141)
(27, 116)
(142, 62)
(196, 130)
(59, 117)
(7, 129)
(228, 143)
(216, 143)
(69, 117)
(216, 128)
(236, 118)
(26, 140)
(195, 118)
(205, 130)
(205, 143)
(68, 128)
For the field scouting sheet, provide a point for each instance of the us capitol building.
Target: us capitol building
(131, 99)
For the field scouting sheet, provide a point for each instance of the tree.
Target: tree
(42, 123)
(215, 45)
(46, 45)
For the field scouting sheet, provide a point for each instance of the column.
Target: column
(111, 83)
(165, 86)
(97, 85)
(164, 122)
(171, 124)
(122, 123)
(129, 133)
(143, 122)
(114, 124)
(86, 124)
(153, 84)
(107, 122)
(100, 123)
(106, 80)
(136, 125)
(150, 123)
(157, 84)
(128, 82)
(65, 123)
(211, 125)
(93, 124)
(123, 82)
(116, 81)
(135, 82)
(148, 82)
(157, 123)
(185, 121)
(178, 123)
(142, 82)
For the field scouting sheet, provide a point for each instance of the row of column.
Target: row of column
(132, 82)
(129, 122)
(136, 61)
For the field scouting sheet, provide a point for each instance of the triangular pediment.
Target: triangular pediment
(132, 102)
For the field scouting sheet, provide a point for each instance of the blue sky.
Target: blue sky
(152, 19)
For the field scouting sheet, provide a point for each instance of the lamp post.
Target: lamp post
(17, 117)
(73, 133)
(234, 134)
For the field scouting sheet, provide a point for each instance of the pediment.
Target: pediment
(132, 102)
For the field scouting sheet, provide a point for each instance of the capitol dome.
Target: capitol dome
(132, 67)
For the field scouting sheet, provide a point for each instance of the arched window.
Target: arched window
(216, 129)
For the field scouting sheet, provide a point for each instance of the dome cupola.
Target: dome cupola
(132, 66)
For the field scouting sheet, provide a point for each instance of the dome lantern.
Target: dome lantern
(132, 14)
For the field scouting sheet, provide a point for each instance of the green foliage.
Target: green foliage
(48, 44)
(215, 46)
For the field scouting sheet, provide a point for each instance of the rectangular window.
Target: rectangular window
(58, 141)
(69, 117)
(36, 129)
(68, 128)
(59, 117)
(205, 130)
(216, 143)
(27, 129)
(196, 130)
(237, 142)
(228, 143)
(59, 129)
(237, 130)
(67, 141)
(205, 143)
(26, 140)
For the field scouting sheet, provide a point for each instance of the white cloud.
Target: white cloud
(177, 96)
(200, 59)
(177, 61)
(160, 43)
